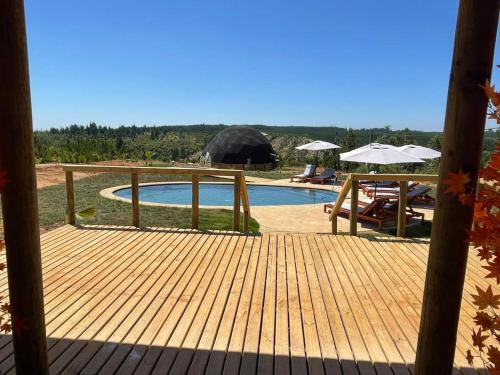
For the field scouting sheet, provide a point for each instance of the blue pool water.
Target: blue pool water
(222, 195)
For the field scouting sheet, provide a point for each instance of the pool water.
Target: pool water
(222, 194)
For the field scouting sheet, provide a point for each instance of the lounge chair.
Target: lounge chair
(373, 211)
(309, 171)
(415, 196)
(326, 176)
(380, 184)
(379, 211)
(370, 191)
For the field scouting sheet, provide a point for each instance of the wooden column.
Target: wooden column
(237, 203)
(463, 139)
(135, 199)
(19, 199)
(70, 198)
(403, 191)
(353, 222)
(195, 202)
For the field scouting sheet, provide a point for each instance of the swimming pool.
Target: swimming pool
(222, 194)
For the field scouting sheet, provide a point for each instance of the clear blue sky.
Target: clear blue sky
(319, 62)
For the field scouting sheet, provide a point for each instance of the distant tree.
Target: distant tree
(148, 155)
(435, 143)
(349, 140)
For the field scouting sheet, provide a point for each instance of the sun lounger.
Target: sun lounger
(309, 172)
(387, 190)
(380, 184)
(379, 211)
(417, 195)
(373, 211)
(326, 176)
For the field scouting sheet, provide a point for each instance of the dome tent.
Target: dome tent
(240, 147)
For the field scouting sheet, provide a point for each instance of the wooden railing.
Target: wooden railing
(240, 189)
(351, 184)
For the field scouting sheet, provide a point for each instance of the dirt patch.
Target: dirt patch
(53, 174)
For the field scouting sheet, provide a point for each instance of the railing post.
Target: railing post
(334, 224)
(353, 228)
(135, 199)
(403, 190)
(195, 203)
(70, 198)
(237, 200)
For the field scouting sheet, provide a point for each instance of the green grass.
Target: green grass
(271, 175)
(52, 206)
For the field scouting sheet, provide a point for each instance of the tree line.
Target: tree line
(184, 143)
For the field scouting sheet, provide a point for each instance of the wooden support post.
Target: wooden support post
(403, 191)
(462, 147)
(135, 199)
(195, 203)
(334, 224)
(19, 198)
(70, 199)
(353, 227)
(237, 202)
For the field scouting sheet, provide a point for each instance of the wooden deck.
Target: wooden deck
(157, 301)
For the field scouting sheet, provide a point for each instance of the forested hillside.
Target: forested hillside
(91, 143)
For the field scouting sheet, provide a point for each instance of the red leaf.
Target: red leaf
(456, 182)
(484, 253)
(467, 199)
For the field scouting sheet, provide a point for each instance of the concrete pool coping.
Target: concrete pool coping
(110, 194)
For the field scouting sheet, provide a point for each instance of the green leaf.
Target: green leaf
(88, 213)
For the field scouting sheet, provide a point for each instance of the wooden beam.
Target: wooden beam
(338, 203)
(403, 191)
(246, 203)
(353, 227)
(135, 199)
(462, 147)
(236, 206)
(151, 170)
(195, 202)
(70, 198)
(19, 198)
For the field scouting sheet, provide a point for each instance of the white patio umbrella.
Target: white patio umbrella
(377, 153)
(420, 151)
(317, 146)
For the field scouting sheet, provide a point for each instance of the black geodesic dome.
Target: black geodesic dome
(240, 147)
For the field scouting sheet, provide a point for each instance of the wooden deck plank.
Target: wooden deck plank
(265, 363)
(130, 301)
(186, 305)
(216, 334)
(199, 307)
(243, 287)
(251, 345)
(281, 339)
(297, 344)
(208, 316)
(164, 306)
(121, 309)
(320, 348)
